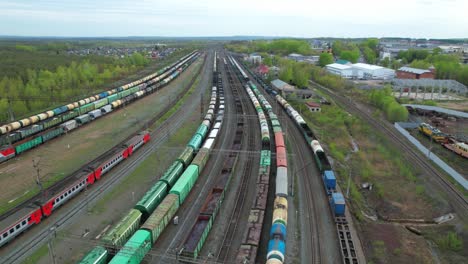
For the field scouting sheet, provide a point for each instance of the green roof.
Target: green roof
(342, 62)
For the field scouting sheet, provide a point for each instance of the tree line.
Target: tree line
(39, 89)
(279, 47)
(447, 66)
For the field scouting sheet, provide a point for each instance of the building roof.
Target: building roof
(295, 55)
(279, 84)
(338, 66)
(262, 69)
(312, 104)
(413, 70)
(340, 61)
(366, 66)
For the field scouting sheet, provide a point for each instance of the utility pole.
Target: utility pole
(202, 107)
(49, 244)
(10, 110)
(349, 181)
(38, 179)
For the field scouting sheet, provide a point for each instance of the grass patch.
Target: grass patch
(450, 241)
(157, 159)
(37, 255)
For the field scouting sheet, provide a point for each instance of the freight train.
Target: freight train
(277, 243)
(276, 246)
(196, 237)
(41, 128)
(74, 105)
(132, 238)
(32, 214)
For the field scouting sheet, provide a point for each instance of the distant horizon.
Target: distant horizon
(225, 36)
(433, 19)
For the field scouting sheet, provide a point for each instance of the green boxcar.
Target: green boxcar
(51, 122)
(201, 158)
(152, 198)
(186, 157)
(161, 217)
(70, 115)
(114, 97)
(96, 256)
(135, 249)
(195, 142)
(100, 103)
(185, 183)
(28, 144)
(86, 108)
(134, 89)
(125, 93)
(51, 134)
(172, 174)
(120, 233)
(202, 130)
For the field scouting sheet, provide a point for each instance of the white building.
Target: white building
(368, 71)
(345, 71)
(255, 58)
(360, 71)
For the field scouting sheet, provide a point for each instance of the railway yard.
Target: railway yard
(199, 162)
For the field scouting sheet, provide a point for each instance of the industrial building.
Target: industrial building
(345, 71)
(282, 87)
(414, 73)
(361, 71)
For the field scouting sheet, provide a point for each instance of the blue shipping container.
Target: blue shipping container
(338, 204)
(329, 179)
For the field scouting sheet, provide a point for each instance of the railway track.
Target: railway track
(318, 236)
(458, 199)
(65, 180)
(252, 141)
(64, 217)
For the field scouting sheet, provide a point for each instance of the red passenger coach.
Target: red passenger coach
(61, 192)
(23, 219)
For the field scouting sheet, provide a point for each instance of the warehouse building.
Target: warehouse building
(361, 71)
(345, 71)
(414, 73)
(368, 71)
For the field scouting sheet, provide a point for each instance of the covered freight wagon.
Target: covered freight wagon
(135, 249)
(161, 217)
(185, 183)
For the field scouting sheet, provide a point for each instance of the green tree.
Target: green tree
(350, 55)
(325, 59)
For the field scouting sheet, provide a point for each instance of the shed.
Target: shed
(282, 86)
(313, 107)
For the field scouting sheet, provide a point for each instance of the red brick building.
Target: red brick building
(413, 73)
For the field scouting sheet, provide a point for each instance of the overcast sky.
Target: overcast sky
(295, 18)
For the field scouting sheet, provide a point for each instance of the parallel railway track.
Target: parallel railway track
(458, 199)
(252, 141)
(159, 136)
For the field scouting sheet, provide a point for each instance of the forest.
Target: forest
(280, 47)
(35, 77)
